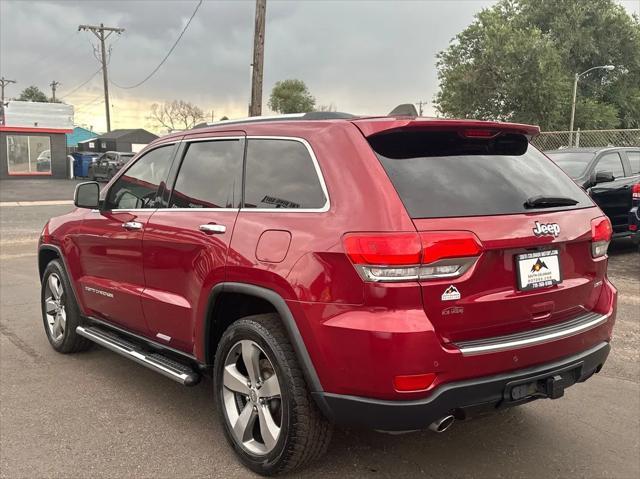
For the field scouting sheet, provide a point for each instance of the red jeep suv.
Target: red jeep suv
(395, 273)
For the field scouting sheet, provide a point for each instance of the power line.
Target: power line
(166, 56)
(83, 83)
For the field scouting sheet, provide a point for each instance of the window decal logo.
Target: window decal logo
(451, 294)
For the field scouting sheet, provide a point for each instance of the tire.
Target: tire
(304, 434)
(60, 312)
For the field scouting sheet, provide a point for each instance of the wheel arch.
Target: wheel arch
(46, 254)
(268, 301)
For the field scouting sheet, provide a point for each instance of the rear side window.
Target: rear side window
(611, 163)
(138, 187)
(441, 174)
(634, 159)
(281, 174)
(210, 176)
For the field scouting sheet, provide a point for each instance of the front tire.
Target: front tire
(60, 312)
(269, 417)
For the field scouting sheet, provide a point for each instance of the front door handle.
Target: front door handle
(132, 225)
(213, 229)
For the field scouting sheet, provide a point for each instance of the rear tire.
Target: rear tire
(60, 312)
(303, 434)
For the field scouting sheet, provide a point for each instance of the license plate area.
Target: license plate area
(538, 269)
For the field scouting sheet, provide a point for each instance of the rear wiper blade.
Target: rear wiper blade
(549, 201)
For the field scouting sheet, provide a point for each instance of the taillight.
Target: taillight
(601, 231)
(387, 257)
(635, 191)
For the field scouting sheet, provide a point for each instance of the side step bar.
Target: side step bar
(179, 372)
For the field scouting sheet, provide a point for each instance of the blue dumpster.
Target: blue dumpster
(81, 163)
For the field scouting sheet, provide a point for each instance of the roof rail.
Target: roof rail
(314, 115)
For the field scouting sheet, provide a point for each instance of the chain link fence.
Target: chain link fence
(552, 140)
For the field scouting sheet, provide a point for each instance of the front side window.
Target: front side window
(28, 155)
(138, 187)
(210, 175)
(611, 162)
(281, 174)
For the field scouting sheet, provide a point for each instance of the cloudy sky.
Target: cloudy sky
(362, 56)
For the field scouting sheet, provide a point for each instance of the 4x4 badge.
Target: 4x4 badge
(451, 294)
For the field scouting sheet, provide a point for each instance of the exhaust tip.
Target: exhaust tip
(442, 424)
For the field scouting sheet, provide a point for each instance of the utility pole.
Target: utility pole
(54, 84)
(3, 83)
(420, 103)
(99, 32)
(255, 107)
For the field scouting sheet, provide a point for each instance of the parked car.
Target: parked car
(395, 273)
(43, 162)
(107, 165)
(608, 175)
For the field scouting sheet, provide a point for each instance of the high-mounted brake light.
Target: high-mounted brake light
(479, 133)
(411, 256)
(601, 232)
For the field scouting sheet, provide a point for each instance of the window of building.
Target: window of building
(281, 174)
(28, 155)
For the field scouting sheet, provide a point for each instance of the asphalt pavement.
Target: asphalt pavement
(97, 414)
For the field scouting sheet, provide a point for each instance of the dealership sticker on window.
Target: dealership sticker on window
(451, 294)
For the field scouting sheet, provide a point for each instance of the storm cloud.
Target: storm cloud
(362, 56)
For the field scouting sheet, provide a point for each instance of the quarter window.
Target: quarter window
(281, 174)
(634, 159)
(611, 162)
(138, 187)
(210, 176)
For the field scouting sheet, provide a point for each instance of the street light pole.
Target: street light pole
(575, 92)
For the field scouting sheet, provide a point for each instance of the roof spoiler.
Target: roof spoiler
(373, 126)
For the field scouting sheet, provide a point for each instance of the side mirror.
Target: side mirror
(87, 195)
(602, 177)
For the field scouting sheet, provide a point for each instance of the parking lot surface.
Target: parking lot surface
(97, 414)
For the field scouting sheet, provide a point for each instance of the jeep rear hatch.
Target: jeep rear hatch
(507, 238)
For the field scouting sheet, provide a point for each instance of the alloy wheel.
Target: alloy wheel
(251, 397)
(54, 299)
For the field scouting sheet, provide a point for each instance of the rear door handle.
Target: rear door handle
(132, 225)
(213, 229)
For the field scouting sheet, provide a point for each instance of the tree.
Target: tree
(517, 62)
(176, 115)
(33, 93)
(291, 96)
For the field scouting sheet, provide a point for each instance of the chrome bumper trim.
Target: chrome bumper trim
(574, 326)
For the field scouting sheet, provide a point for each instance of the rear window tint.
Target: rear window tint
(281, 174)
(441, 174)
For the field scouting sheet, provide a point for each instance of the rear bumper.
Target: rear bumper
(464, 398)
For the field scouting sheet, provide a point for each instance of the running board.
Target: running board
(157, 362)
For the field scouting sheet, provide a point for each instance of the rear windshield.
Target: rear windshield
(441, 174)
(573, 163)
